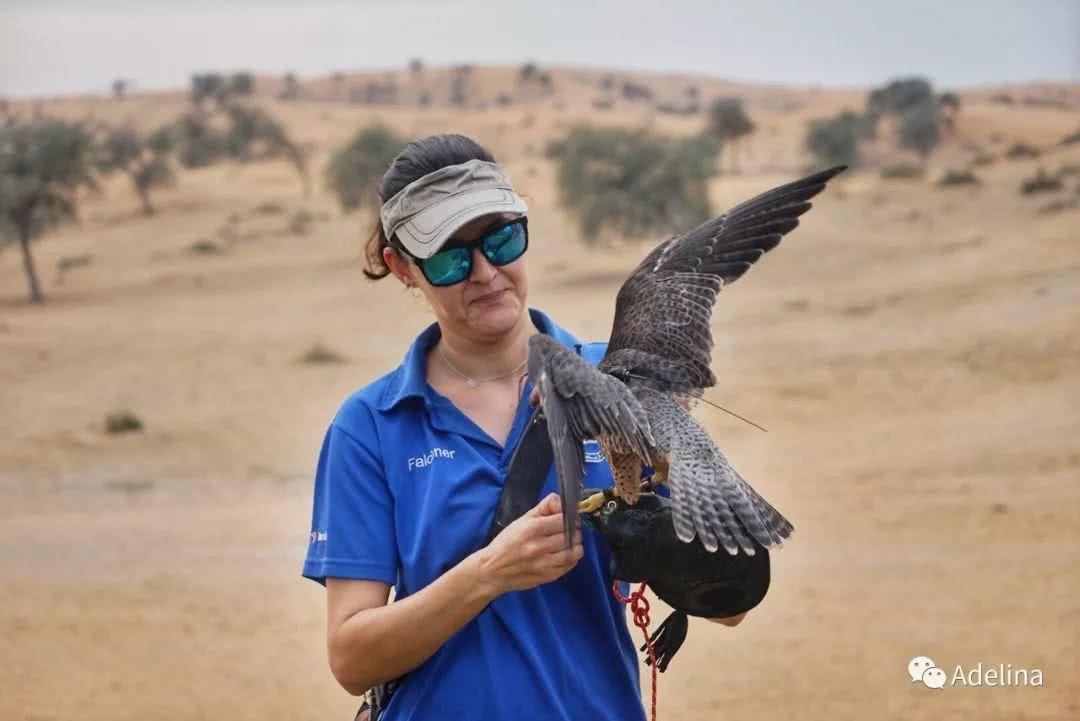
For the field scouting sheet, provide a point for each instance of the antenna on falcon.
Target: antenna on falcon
(733, 413)
(701, 397)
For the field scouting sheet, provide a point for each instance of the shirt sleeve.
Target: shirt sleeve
(352, 528)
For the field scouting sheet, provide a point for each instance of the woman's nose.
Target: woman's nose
(482, 269)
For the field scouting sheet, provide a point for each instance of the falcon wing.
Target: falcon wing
(664, 308)
(582, 403)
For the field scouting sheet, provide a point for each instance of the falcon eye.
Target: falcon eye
(609, 508)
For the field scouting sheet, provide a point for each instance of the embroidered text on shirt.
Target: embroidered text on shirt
(428, 458)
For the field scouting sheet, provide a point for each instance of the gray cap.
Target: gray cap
(426, 212)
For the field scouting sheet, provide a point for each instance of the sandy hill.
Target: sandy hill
(913, 349)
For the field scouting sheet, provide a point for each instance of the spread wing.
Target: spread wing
(663, 310)
(582, 403)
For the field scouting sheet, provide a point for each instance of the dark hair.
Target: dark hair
(416, 160)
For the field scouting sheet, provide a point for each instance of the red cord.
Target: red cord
(639, 606)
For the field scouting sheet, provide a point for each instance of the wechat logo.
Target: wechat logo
(923, 669)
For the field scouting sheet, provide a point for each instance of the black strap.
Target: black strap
(529, 466)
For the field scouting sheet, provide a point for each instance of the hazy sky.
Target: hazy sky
(57, 46)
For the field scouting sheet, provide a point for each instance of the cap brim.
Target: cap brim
(426, 232)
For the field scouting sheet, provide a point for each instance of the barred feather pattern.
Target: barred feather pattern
(665, 306)
(710, 500)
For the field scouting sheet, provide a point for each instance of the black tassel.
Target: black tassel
(668, 639)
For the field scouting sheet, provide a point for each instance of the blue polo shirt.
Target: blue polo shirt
(406, 487)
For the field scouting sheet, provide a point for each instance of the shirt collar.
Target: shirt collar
(410, 379)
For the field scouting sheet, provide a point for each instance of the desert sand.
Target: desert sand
(913, 350)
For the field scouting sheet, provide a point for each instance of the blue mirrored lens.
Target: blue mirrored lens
(505, 245)
(448, 266)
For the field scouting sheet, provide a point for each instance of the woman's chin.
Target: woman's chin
(496, 317)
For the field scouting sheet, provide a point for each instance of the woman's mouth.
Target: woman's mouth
(492, 297)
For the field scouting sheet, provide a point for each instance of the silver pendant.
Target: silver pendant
(471, 383)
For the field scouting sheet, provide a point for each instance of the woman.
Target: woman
(411, 470)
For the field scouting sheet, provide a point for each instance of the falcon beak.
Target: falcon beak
(593, 502)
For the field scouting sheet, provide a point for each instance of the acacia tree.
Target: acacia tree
(835, 140)
(43, 164)
(356, 168)
(728, 122)
(633, 184)
(254, 134)
(197, 139)
(920, 129)
(144, 162)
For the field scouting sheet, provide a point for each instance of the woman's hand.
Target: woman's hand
(531, 551)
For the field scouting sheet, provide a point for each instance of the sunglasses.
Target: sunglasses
(502, 245)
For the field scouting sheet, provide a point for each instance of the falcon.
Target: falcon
(637, 401)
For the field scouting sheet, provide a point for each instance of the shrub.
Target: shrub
(529, 71)
(958, 177)
(124, 150)
(122, 421)
(835, 140)
(290, 89)
(1071, 138)
(1059, 206)
(1041, 182)
(242, 83)
(903, 171)
(728, 120)
(922, 114)
(633, 183)
(949, 100)
(205, 247)
(319, 354)
(899, 96)
(458, 90)
(268, 207)
(1022, 150)
(300, 222)
(254, 134)
(208, 86)
(355, 169)
(198, 142)
(920, 128)
(636, 91)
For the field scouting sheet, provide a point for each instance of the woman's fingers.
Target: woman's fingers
(549, 505)
(561, 561)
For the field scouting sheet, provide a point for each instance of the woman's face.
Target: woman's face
(488, 304)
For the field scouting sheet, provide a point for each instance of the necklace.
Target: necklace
(474, 382)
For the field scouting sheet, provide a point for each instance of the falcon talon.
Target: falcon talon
(593, 503)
